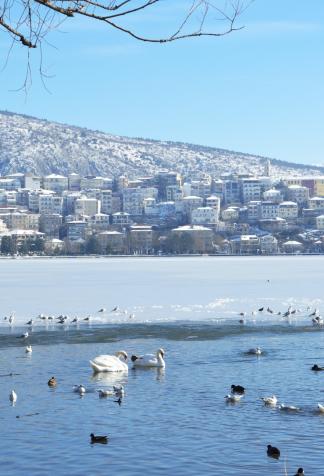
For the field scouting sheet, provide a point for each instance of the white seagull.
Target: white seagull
(233, 398)
(29, 349)
(271, 401)
(13, 397)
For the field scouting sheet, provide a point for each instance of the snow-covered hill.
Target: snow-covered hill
(35, 145)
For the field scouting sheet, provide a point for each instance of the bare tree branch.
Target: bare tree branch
(29, 21)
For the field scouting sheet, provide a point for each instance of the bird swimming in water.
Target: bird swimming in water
(13, 397)
(98, 439)
(52, 382)
(288, 408)
(23, 336)
(300, 472)
(255, 351)
(271, 401)
(29, 349)
(233, 398)
(316, 368)
(273, 452)
(80, 389)
(105, 393)
(237, 389)
(119, 391)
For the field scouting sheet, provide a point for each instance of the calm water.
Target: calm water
(174, 422)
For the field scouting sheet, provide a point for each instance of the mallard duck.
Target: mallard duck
(52, 382)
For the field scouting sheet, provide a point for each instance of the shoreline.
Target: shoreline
(26, 257)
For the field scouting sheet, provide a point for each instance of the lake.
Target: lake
(174, 421)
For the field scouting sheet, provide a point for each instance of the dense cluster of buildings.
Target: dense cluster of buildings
(164, 213)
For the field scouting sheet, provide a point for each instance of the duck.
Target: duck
(233, 398)
(288, 408)
(149, 360)
(79, 389)
(24, 336)
(119, 391)
(273, 452)
(13, 397)
(255, 351)
(98, 439)
(270, 400)
(52, 382)
(316, 368)
(238, 389)
(105, 393)
(320, 408)
(29, 349)
(110, 363)
(300, 472)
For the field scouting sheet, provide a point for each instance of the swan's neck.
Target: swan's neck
(160, 359)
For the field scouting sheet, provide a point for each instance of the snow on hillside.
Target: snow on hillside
(34, 145)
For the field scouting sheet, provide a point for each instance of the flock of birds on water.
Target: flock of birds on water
(118, 363)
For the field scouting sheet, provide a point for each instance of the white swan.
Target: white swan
(270, 400)
(149, 360)
(110, 363)
(320, 408)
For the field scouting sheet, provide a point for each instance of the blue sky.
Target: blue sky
(259, 90)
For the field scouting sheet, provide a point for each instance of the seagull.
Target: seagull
(80, 389)
(320, 408)
(105, 393)
(13, 397)
(261, 309)
(28, 349)
(119, 391)
(288, 408)
(233, 398)
(98, 439)
(23, 336)
(102, 310)
(87, 318)
(75, 319)
(314, 313)
(269, 310)
(29, 323)
(271, 401)
(115, 309)
(273, 452)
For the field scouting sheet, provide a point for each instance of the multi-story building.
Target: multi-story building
(111, 242)
(56, 183)
(273, 195)
(204, 216)
(232, 193)
(141, 239)
(268, 210)
(32, 182)
(106, 201)
(254, 210)
(133, 201)
(298, 194)
(51, 224)
(163, 180)
(87, 206)
(50, 204)
(315, 184)
(121, 218)
(320, 222)
(251, 189)
(288, 210)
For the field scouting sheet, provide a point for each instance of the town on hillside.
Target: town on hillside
(161, 214)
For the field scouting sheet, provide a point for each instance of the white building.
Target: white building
(251, 190)
(106, 201)
(49, 204)
(133, 201)
(204, 216)
(87, 206)
(272, 195)
(121, 218)
(230, 214)
(298, 194)
(254, 207)
(32, 182)
(288, 210)
(74, 182)
(268, 210)
(316, 202)
(190, 203)
(320, 222)
(268, 244)
(56, 183)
